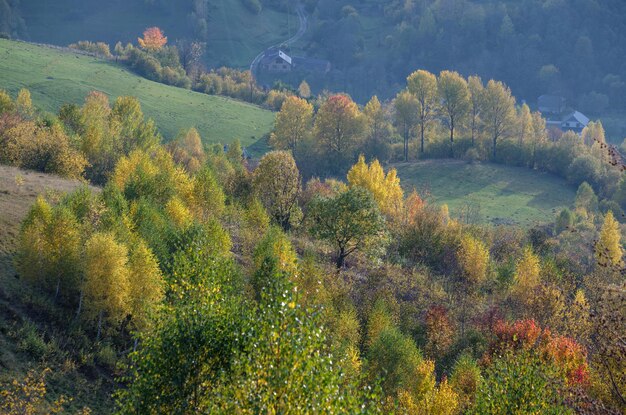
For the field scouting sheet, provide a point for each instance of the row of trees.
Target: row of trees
(444, 116)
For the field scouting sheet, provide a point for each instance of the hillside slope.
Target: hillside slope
(234, 36)
(489, 193)
(30, 338)
(55, 77)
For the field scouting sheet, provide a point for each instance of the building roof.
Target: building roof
(284, 56)
(577, 116)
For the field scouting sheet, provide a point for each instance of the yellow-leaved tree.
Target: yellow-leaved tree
(145, 284)
(473, 256)
(106, 287)
(292, 125)
(384, 187)
(527, 275)
(608, 249)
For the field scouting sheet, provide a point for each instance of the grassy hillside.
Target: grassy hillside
(56, 77)
(490, 193)
(235, 35)
(29, 337)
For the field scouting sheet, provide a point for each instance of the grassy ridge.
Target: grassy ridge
(492, 193)
(55, 77)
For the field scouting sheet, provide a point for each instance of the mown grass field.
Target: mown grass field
(489, 193)
(55, 77)
(235, 35)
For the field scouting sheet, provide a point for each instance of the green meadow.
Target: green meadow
(488, 193)
(55, 77)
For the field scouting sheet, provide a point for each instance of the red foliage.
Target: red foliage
(569, 356)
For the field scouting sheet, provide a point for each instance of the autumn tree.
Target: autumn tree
(6, 103)
(384, 187)
(153, 39)
(106, 287)
(499, 112)
(608, 249)
(473, 256)
(476, 97)
(292, 124)
(276, 182)
(379, 129)
(524, 125)
(423, 85)
(338, 125)
(24, 103)
(350, 221)
(146, 285)
(406, 106)
(527, 274)
(187, 150)
(304, 90)
(454, 97)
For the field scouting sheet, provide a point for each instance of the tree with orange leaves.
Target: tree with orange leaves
(153, 39)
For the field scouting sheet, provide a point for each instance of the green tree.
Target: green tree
(351, 221)
(520, 383)
(276, 182)
(454, 99)
(423, 85)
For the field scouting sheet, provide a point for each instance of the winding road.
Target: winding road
(304, 22)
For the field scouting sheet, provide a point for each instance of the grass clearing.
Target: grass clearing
(489, 193)
(55, 77)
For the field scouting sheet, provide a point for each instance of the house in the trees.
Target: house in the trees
(551, 104)
(276, 61)
(574, 121)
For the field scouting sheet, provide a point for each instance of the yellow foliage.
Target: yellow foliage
(106, 287)
(28, 396)
(293, 123)
(527, 273)
(145, 283)
(24, 103)
(178, 212)
(609, 249)
(385, 188)
(473, 257)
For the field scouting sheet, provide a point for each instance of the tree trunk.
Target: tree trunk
(341, 258)
(56, 293)
(451, 138)
(99, 325)
(80, 304)
(422, 138)
(495, 140)
(406, 143)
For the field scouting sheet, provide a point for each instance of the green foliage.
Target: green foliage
(519, 383)
(349, 221)
(276, 182)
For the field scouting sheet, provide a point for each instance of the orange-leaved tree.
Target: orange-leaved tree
(153, 39)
